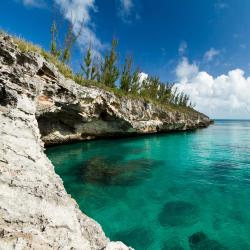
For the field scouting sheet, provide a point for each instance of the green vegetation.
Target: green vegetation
(105, 73)
(25, 46)
(126, 78)
(54, 36)
(89, 69)
(109, 70)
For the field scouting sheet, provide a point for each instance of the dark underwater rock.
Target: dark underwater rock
(177, 213)
(200, 241)
(121, 173)
(196, 238)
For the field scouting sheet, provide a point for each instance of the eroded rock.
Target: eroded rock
(38, 105)
(35, 210)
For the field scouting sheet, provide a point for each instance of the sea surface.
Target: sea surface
(186, 190)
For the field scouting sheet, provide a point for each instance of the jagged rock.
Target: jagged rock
(78, 113)
(38, 105)
(35, 210)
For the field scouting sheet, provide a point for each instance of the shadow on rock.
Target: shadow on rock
(178, 213)
(200, 241)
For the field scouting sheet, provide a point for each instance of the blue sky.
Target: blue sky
(174, 39)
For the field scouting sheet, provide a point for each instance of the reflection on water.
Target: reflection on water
(173, 191)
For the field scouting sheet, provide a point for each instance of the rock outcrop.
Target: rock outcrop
(38, 105)
(68, 112)
(35, 210)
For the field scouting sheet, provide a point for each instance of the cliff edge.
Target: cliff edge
(39, 106)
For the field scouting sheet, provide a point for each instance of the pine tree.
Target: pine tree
(86, 67)
(164, 92)
(161, 92)
(68, 44)
(54, 50)
(144, 88)
(70, 40)
(109, 70)
(89, 69)
(152, 88)
(126, 77)
(94, 72)
(135, 85)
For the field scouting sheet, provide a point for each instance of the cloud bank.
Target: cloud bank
(79, 13)
(224, 96)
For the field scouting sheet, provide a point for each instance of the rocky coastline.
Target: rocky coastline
(40, 107)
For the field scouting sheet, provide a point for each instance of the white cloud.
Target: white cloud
(184, 70)
(211, 54)
(224, 96)
(221, 5)
(142, 76)
(126, 7)
(243, 46)
(79, 13)
(182, 48)
(34, 3)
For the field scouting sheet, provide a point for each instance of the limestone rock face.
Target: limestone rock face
(35, 210)
(38, 105)
(68, 112)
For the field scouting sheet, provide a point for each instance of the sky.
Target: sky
(202, 45)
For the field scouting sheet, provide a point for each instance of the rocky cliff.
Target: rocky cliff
(68, 112)
(38, 105)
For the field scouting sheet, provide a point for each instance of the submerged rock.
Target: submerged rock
(200, 241)
(178, 213)
(121, 173)
(197, 238)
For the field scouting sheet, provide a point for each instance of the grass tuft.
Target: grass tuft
(25, 47)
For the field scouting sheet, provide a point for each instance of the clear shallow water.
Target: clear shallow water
(156, 192)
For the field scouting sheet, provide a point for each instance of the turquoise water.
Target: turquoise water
(187, 190)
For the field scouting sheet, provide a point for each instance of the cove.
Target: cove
(185, 190)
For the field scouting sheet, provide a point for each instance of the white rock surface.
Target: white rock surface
(35, 210)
